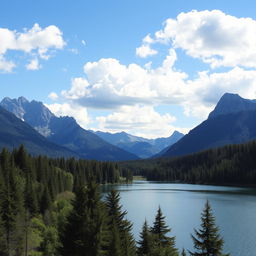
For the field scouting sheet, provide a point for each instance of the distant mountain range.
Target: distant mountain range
(14, 132)
(64, 131)
(233, 121)
(139, 146)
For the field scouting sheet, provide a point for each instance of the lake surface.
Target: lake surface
(182, 204)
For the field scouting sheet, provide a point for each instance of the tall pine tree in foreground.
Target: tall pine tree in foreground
(145, 244)
(163, 244)
(207, 240)
(121, 229)
(82, 235)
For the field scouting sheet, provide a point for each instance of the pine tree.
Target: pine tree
(114, 246)
(83, 232)
(11, 204)
(45, 200)
(164, 244)
(124, 227)
(207, 240)
(31, 203)
(145, 244)
(3, 247)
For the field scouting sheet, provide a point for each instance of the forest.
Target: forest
(228, 165)
(53, 207)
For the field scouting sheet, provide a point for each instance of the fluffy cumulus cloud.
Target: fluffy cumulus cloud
(66, 109)
(212, 36)
(36, 41)
(109, 84)
(139, 120)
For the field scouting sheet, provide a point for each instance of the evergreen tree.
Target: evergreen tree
(207, 240)
(3, 247)
(31, 203)
(45, 200)
(83, 232)
(114, 246)
(10, 206)
(145, 244)
(164, 245)
(123, 227)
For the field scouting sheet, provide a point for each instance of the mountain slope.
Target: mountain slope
(65, 131)
(221, 128)
(232, 103)
(14, 132)
(139, 146)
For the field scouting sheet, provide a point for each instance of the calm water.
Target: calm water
(234, 209)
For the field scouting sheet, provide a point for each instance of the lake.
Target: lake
(182, 204)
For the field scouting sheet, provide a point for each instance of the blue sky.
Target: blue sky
(92, 59)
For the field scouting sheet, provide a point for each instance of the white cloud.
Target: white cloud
(148, 39)
(144, 51)
(6, 66)
(213, 36)
(53, 96)
(109, 84)
(66, 109)
(83, 42)
(139, 120)
(36, 41)
(33, 65)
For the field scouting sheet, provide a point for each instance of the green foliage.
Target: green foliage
(163, 244)
(121, 227)
(207, 241)
(29, 187)
(229, 165)
(146, 242)
(83, 232)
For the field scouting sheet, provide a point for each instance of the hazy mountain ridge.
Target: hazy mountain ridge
(64, 131)
(140, 146)
(233, 121)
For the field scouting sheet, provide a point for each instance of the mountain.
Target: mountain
(64, 131)
(14, 132)
(233, 121)
(139, 146)
(232, 103)
(34, 113)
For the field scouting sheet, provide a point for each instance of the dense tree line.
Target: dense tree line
(232, 164)
(30, 212)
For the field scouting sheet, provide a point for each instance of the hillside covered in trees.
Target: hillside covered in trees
(35, 194)
(230, 165)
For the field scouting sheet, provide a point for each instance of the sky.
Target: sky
(145, 67)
